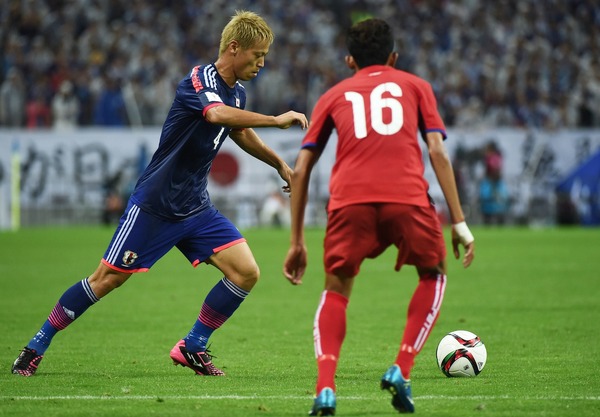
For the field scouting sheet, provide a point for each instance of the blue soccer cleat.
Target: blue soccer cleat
(324, 404)
(394, 382)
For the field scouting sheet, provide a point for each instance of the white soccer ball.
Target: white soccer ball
(461, 353)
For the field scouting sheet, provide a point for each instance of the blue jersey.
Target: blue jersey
(173, 186)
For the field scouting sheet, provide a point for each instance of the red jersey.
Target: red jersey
(377, 114)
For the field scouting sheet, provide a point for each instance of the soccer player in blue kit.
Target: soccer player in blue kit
(170, 206)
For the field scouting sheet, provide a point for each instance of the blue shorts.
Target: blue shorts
(142, 239)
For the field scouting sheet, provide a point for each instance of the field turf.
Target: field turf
(532, 295)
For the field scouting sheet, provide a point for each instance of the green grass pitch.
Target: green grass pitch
(532, 295)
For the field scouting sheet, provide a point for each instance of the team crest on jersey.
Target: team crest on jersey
(129, 257)
(237, 102)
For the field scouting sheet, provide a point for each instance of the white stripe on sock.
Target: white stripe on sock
(235, 289)
(440, 287)
(316, 331)
(88, 290)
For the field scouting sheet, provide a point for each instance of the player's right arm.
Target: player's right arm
(442, 167)
(235, 118)
(321, 126)
(295, 262)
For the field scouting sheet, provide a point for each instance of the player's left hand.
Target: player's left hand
(461, 235)
(469, 252)
(294, 265)
(285, 172)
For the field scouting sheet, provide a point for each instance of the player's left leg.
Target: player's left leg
(418, 235)
(213, 239)
(423, 312)
(241, 274)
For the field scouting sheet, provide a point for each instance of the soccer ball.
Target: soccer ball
(461, 353)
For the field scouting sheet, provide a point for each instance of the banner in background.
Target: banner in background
(74, 167)
(581, 189)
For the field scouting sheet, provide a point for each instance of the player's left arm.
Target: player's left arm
(251, 143)
(442, 167)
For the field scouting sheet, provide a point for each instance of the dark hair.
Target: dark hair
(370, 42)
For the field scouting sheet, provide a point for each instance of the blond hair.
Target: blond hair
(248, 29)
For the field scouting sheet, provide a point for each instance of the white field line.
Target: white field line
(284, 397)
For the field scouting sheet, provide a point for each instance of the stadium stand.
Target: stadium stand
(515, 63)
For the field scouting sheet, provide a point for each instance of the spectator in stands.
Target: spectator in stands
(493, 194)
(275, 209)
(536, 67)
(37, 111)
(12, 100)
(110, 108)
(65, 107)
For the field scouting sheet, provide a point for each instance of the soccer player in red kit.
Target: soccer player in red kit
(378, 198)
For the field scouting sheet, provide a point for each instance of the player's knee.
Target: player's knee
(104, 280)
(433, 271)
(253, 273)
(247, 276)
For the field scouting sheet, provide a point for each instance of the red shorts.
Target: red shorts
(361, 231)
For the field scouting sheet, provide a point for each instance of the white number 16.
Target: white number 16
(378, 103)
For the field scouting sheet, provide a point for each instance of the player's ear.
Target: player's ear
(391, 61)
(234, 47)
(351, 63)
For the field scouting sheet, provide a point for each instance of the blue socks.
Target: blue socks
(70, 306)
(220, 303)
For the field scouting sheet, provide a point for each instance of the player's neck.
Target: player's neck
(226, 72)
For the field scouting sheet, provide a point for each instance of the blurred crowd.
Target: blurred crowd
(517, 63)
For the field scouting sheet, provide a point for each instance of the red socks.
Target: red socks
(329, 331)
(423, 311)
(329, 328)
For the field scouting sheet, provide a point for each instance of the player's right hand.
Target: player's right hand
(294, 265)
(290, 118)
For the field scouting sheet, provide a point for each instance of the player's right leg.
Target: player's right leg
(329, 331)
(70, 306)
(137, 243)
(348, 241)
